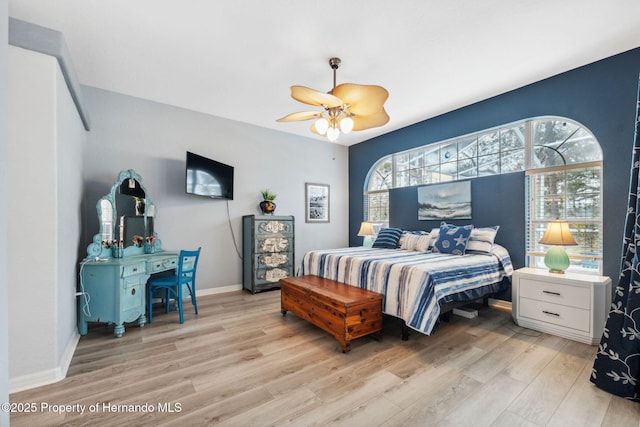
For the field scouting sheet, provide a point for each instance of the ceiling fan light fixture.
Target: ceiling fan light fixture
(322, 125)
(347, 107)
(332, 134)
(346, 124)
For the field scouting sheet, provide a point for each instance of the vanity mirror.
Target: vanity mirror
(125, 217)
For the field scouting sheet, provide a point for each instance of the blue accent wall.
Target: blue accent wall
(601, 96)
(487, 209)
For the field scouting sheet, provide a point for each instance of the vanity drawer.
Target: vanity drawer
(133, 293)
(162, 264)
(133, 269)
(561, 315)
(556, 293)
(169, 263)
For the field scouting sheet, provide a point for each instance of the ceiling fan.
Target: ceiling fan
(347, 107)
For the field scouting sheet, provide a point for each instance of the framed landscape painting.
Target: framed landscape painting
(451, 200)
(317, 202)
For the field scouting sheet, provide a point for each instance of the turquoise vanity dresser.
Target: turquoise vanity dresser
(122, 256)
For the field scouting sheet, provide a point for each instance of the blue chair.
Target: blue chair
(173, 285)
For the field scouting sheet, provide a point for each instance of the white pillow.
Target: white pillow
(434, 234)
(424, 243)
(481, 239)
(410, 239)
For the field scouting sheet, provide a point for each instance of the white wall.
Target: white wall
(70, 141)
(45, 188)
(152, 139)
(4, 217)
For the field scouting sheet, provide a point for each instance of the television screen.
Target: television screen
(206, 177)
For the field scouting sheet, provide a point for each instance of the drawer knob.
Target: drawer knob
(550, 313)
(133, 291)
(552, 293)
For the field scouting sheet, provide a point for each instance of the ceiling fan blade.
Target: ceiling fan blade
(313, 97)
(302, 115)
(363, 99)
(371, 121)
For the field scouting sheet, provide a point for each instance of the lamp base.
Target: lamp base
(556, 260)
(367, 242)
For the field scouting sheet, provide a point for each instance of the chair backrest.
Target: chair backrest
(187, 265)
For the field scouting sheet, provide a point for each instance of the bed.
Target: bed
(415, 283)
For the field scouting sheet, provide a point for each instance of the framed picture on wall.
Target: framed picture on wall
(316, 202)
(451, 200)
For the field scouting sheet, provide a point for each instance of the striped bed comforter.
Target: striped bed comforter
(413, 283)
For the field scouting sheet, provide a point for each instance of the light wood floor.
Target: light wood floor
(240, 363)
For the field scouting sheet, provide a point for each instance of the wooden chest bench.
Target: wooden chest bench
(345, 311)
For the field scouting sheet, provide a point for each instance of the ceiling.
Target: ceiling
(237, 60)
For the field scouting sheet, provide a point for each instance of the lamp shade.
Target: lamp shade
(366, 229)
(557, 235)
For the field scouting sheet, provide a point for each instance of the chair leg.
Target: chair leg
(167, 300)
(179, 298)
(193, 297)
(150, 303)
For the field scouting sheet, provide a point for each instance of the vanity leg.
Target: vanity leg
(82, 327)
(118, 330)
(142, 320)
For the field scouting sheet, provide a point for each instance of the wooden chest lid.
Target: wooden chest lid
(332, 290)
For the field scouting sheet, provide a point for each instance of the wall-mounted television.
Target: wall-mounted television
(208, 178)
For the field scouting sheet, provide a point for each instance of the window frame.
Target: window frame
(408, 171)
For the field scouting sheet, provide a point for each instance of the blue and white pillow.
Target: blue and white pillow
(453, 239)
(482, 239)
(388, 238)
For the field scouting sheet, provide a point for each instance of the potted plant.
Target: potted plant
(266, 205)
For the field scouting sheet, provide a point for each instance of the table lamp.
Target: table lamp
(557, 235)
(366, 230)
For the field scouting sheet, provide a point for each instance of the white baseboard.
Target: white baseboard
(48, 376)
(219, 290)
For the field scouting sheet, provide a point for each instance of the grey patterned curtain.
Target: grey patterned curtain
(617, 365)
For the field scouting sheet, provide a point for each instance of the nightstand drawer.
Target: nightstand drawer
(572, 296)
(568, 317)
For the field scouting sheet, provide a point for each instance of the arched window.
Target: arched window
(563, 164)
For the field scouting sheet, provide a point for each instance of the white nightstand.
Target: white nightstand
(570, 305)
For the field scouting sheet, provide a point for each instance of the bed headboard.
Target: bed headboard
(495, 200)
